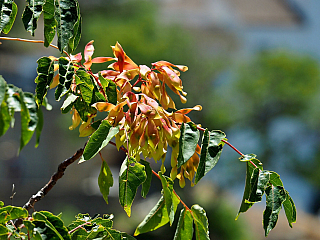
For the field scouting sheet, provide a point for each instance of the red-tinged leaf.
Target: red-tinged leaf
(189, 137)
(290, 209)
(201, 226)
(103, 106)
(275, 196)
(102, 59)
(157, 217)
(105, 180)
(132, 175)
(187, 110)
(185, 226)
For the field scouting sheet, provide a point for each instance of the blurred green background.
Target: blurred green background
(253, 66)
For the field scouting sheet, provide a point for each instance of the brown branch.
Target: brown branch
(53, 180)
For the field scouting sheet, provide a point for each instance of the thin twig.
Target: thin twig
(31, 41)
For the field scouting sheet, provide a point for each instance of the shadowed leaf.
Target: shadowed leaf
(201, 226)
(185, 226)
(31, 15)
(105, 180)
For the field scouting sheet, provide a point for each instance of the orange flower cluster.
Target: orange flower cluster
(145, 113)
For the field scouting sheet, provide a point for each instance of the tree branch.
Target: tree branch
(53, 180)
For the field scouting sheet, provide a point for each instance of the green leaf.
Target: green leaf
(6, 10)
(3, 89)
(49, 22)
(39, 127)
(50, 226)
(13, 15)
(85, 85)
(105, 180)
(13, 101)
(99, 139)
(259, 181)
(167, 185)
(290, 209)
(44, 79)
(8, 213)
(245, 205)
(189, 137)
(31, 15)
(68, 103)
(3, 232)
(185, 226)
(84, 109)
(74, 41)
(201, 226)
(110, 89)
(275, 196)
(157, 217)
(247, 157)
(29, 117)
(66, 72)
(1, 204)
(210, 152)
(131, 176)
(275, 179)
(147, 183)
(66, 15)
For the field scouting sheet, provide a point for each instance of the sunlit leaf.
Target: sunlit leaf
(85, 85)
(210, 152)
(245, 205)
(66, 71)
(290, 209)
(26, 120)
(7, 13)
(31, 15)
(131, 176)
(275, 179)
(147, 183)
(44, 78)
(275, 196)
(189, 137)
(157, 217)
(105, 180)
(68, 103)
(201, 226)
(8, 213)
(49, 22)
(50, 226)
(110, 88)
(5, 118)
(66, 15)
(99, 139)
(185, 226)
(167, 185)
(13, 101)
(13, 14)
